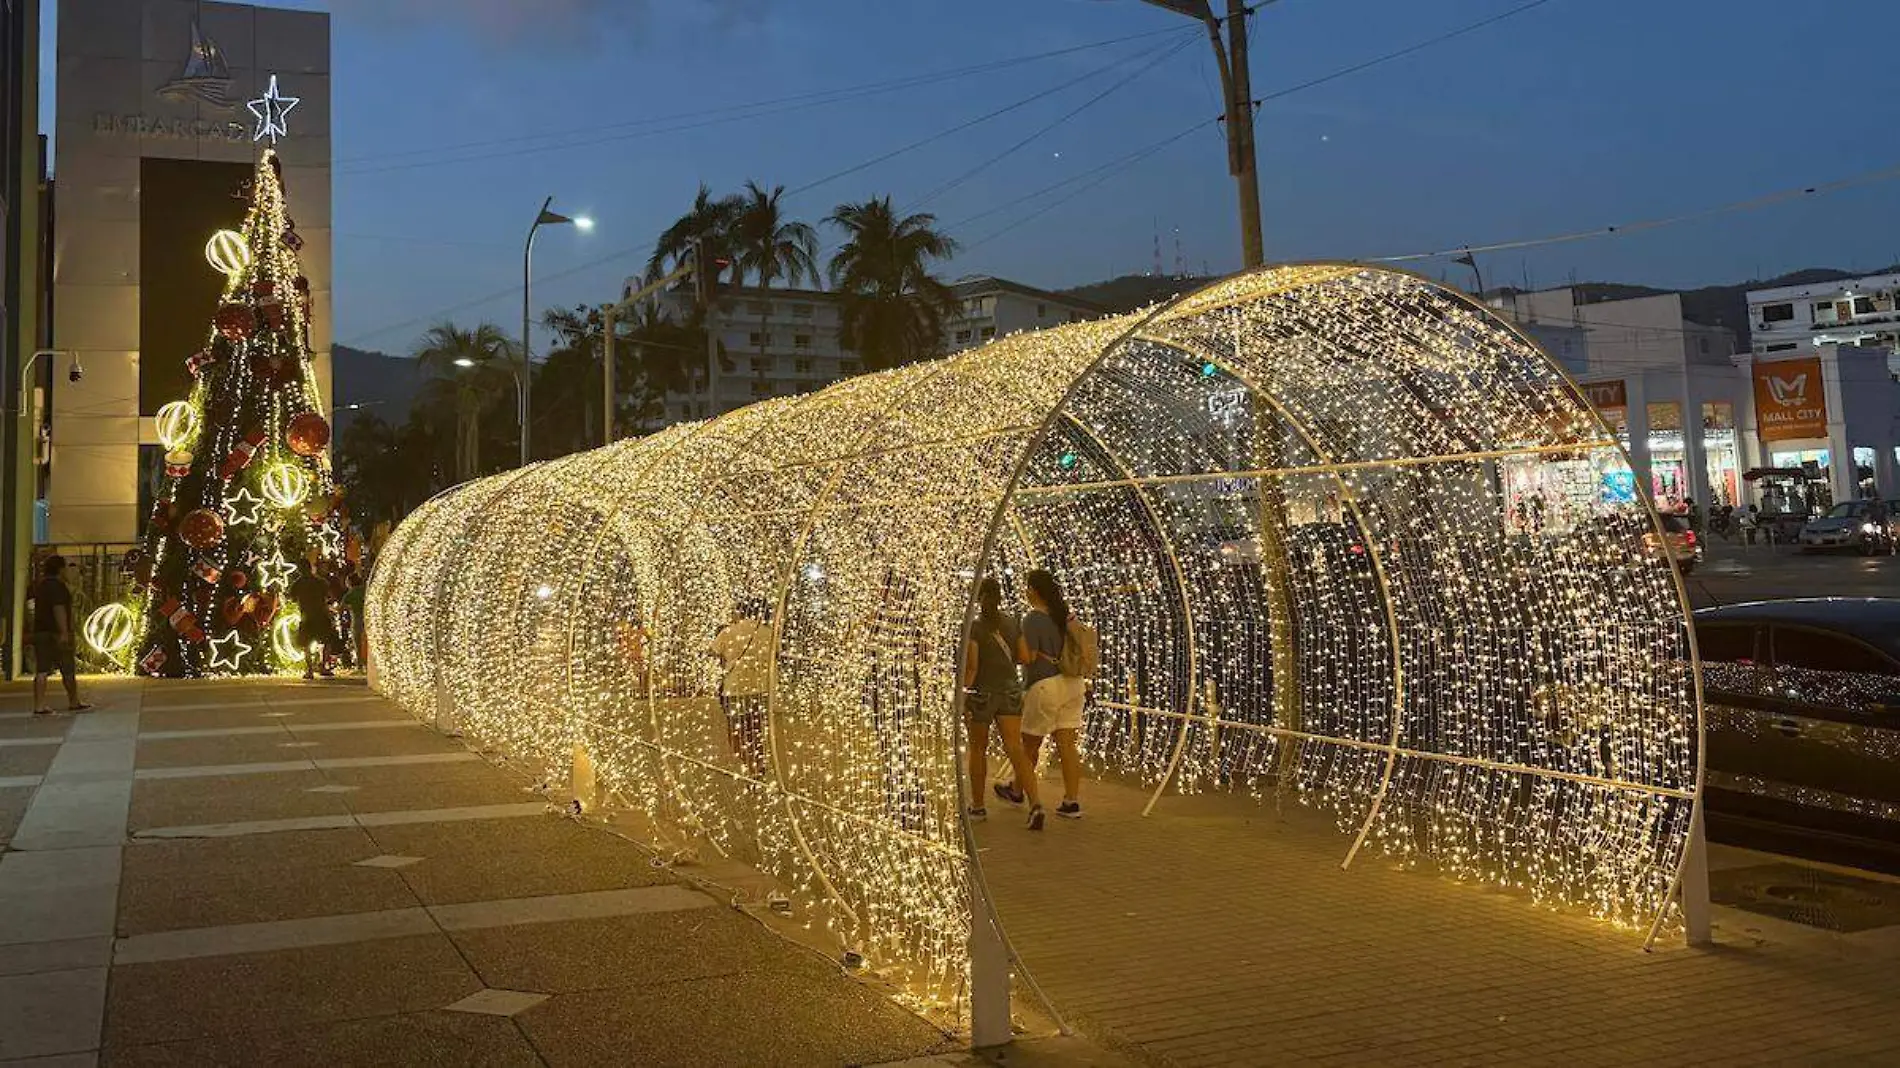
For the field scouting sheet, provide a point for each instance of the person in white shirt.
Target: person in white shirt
(745, 647)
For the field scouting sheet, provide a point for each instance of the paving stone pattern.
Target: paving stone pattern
(289, 874)
(1219, 931)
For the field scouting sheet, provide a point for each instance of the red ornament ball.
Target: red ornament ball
(201, 529)
(236, 321)
(308, 434)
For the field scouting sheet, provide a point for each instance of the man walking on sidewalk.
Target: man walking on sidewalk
(53, 637)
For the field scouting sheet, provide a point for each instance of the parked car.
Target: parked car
(1866, 526)
(1802, 710)
(1677, 543)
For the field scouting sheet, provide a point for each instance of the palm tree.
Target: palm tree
(769, 246)
(893, 308)
(475, 366)
(710, 220)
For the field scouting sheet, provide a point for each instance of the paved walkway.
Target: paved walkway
(1220, 932)
(246, 873)
(241, 873)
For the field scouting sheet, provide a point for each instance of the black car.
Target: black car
(1802, 710)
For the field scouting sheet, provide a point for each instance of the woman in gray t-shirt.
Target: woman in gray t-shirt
(992, 694)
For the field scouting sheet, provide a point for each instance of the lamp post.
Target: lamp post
(526, 379)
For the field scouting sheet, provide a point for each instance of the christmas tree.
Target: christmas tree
(247, 498)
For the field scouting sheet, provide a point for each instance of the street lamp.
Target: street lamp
(545, 218)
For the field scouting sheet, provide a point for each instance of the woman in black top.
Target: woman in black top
(992, 693)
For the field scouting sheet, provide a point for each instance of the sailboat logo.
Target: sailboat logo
(206, 77)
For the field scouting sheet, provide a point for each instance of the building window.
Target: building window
(758, 366)
(758, 307)
(989, 332)
(1777, 313)
(1042, 310)
(756, 338)
(801, 311)
(1703, 342)
(1824, 313)
(802, 367)
(963, 337)
(761, 388)
(847, 367)
(1786, 346)
(801, 341)
(1863, 305)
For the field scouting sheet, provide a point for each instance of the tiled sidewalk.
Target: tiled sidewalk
(242, 873)
(1219, 932)
(246, 873)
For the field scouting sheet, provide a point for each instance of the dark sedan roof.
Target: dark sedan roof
(1874, 620)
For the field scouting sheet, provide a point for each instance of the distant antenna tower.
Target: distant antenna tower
(1180, 261)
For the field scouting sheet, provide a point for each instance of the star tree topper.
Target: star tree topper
(271, 110)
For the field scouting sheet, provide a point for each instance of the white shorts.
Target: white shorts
(1053, 704)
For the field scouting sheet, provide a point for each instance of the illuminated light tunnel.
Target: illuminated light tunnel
(1285, 502)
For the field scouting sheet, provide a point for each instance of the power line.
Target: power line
(1160, 56)
(1105, 172)
(958, 128)
(1400, 53)
(1868, 178)
(625, 252)
(652, 126)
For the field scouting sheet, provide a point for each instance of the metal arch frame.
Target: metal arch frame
(1350, 499)
(1082, 363)
(1191, 691)
(660, 451)
(1697, 932)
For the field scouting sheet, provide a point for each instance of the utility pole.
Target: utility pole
(1236, 79)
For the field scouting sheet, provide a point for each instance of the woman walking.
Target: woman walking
(1052, 701)
(992, 694)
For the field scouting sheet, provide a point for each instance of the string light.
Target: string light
(1279, 501)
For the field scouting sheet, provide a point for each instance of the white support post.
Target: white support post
(581, 780)
(1695, 886)
(444, 707)
(989, 975)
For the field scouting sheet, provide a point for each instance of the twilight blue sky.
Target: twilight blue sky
(1576, 114)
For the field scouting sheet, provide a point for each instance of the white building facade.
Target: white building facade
(780, 342)
(1801, 319)
(995, 307)
(153, 140)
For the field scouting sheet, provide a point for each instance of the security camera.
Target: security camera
(75, 372)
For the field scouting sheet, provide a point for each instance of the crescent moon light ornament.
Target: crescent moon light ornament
(110, 628)
(283, 638)
(177, 424)
(228, 252)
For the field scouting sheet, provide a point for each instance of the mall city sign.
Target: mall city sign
(1789, 402)
(1604, 396)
